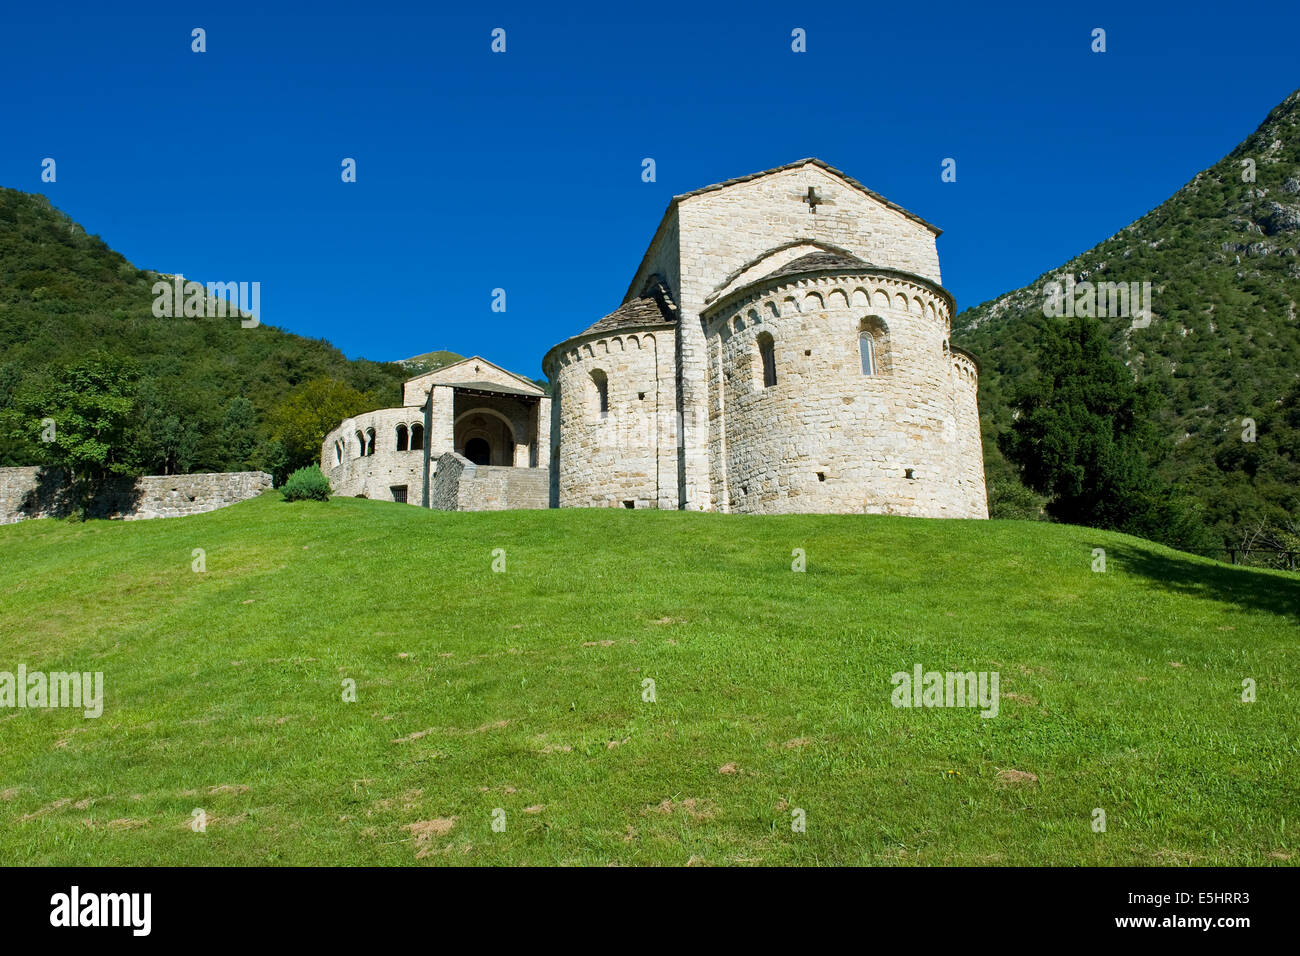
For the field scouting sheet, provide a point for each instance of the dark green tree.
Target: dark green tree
(76, 418)
(1083, 435)
(164, 436)
(238, 435)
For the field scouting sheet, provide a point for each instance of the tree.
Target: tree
(301, 422)
(165, 438)
(76, 418)
(1083, 436)
(238, 437)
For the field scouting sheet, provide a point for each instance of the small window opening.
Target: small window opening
(629, 504)
(767, 352)
(908, 474)
(821, 476)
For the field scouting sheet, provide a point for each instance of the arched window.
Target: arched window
(867, 351)
(601, 382)
(402, 437)
(338, 451)
(361, 445)
(370, 441)
(417, 437)
(767, 353)
(873, 346)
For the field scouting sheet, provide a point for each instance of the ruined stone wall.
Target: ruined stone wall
(629, 454)
(29, 493)
(825, 437)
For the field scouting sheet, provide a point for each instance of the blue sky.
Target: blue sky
(523, 170)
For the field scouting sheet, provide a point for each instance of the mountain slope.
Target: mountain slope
(64, 293)
(1223, 259)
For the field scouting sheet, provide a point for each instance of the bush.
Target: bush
(307, 484)
(1008, 498)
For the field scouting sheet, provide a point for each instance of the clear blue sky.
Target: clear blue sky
(523, 170)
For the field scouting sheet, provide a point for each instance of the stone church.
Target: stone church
(783, 347)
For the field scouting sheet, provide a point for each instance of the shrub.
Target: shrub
(1008, 498)
(307, 484)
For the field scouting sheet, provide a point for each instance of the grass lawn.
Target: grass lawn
(522, 691)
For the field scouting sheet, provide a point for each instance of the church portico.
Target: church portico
(494, 428)
(473, 408)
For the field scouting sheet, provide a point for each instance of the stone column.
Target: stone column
(442, 423)
(542, 433)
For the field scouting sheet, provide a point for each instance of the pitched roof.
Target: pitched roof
(653, 307)
(526, 383)
(817, 262)
(495, 387)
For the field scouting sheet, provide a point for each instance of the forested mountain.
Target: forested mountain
(1223, 345)
(207, 394)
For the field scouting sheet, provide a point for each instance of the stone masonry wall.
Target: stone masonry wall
(826, 437)
(374, 476)
(24, 495)
(722, 231)
(629, 454)
(460, 485)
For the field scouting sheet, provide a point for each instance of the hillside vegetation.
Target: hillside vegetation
(208, 394)
(521, 691)
(1223, 259)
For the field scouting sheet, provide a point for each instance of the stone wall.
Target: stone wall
(629, 453)
(728, 236)
(33, 493)
(826, 437)
(460, 485)
(352, 474)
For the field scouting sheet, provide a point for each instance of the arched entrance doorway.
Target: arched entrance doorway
(478, 451)
(484, 436)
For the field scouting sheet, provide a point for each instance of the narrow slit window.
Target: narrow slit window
(867, 349)
(767, 354)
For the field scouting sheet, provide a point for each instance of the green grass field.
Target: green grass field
(522, 691)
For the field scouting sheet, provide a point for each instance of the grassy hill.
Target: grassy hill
(522, 690)
(429, 362)
(1223, 259)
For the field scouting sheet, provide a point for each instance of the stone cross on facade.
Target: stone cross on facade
(812, 199)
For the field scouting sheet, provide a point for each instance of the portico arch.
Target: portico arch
(485, 426)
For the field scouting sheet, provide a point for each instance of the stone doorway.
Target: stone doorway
(478, 451)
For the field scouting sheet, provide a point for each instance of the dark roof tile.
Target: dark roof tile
(654, 307)
(817, 262)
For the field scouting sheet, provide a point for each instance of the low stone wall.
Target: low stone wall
(461, 485)
(38, 493)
